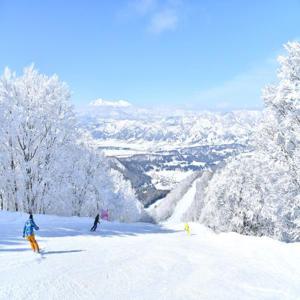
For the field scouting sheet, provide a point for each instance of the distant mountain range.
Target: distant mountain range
(157, 148)
(123, 122)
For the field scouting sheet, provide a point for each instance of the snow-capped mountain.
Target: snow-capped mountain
(158, 148)
(124, 122)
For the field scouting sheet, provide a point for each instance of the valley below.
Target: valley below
(156, 150)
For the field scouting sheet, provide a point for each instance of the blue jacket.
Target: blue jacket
(28, 227)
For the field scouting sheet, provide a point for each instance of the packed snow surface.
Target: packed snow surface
(142, 261)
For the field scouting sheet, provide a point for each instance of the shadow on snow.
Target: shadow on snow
(106, 230)
(72, 229)
(15, 250)
(61, 252)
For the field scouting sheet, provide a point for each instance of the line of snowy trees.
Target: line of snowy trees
(259, 193)
(44, 167)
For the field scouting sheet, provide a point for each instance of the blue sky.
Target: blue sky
(203, 54)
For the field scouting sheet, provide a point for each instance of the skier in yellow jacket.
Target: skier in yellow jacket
(187, 228)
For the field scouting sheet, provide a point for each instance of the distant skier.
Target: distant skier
(187, 228)
(28, 232)
(96, 222)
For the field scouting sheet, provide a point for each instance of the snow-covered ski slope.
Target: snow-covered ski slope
(183, 205)
(142, 261)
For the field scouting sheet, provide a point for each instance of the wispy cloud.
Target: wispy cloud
(163, 21)
(143, 7)
(159, 15)
(242, 91)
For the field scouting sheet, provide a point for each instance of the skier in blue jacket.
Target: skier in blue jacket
(28, 232)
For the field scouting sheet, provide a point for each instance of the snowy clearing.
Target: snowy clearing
(142, 261)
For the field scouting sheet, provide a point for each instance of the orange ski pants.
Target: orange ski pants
(33, 243)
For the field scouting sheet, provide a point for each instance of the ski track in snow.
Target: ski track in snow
(183, 205)
(142, 261)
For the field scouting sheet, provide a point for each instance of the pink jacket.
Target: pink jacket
(104, 215)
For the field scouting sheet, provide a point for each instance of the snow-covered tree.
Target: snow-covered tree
(36, 126)
(258, 193)
(46, 163)
(279, 135)
(123, 204)
(280, 131)
(246, 196)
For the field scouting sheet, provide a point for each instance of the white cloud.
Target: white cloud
(144, 7)
(159, 15)
(102, 102)
(163, 21)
